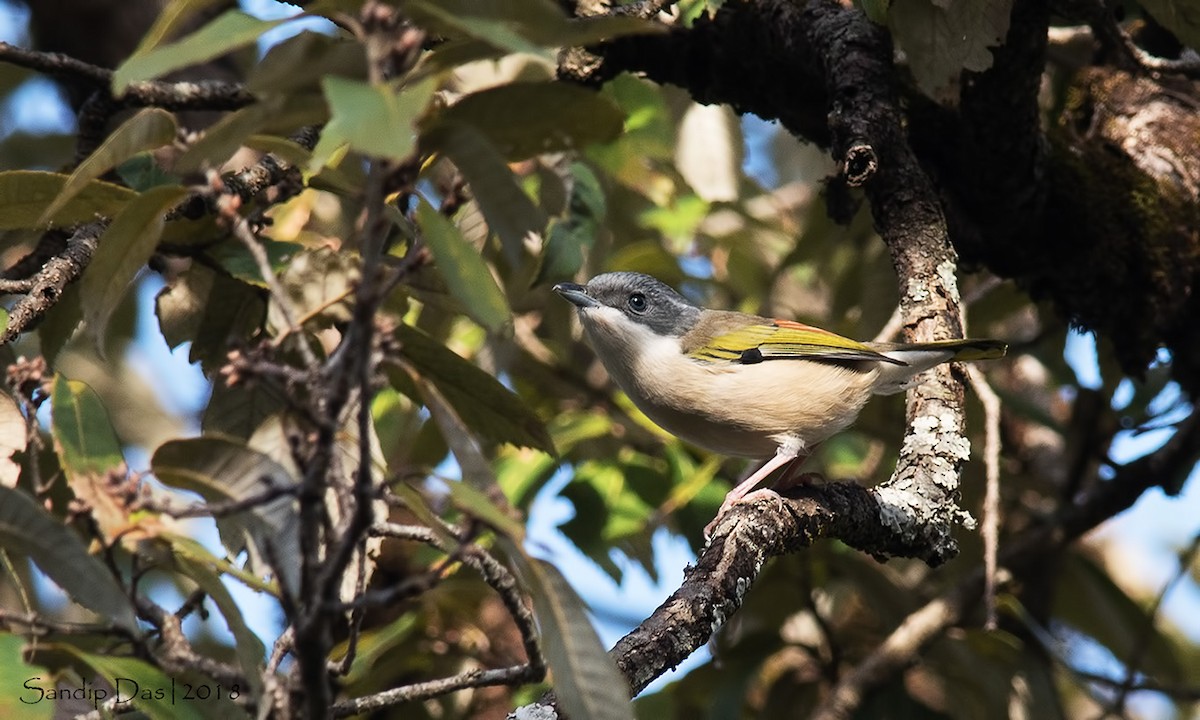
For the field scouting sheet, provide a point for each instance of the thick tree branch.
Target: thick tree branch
(865, 122)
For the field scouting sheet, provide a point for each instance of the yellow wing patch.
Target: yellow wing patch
(784, 340)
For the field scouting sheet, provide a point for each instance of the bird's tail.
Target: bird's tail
(919, 357)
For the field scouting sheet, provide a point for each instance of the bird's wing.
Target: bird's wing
(784, 340)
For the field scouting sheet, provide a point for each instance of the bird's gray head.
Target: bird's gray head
(643, 299)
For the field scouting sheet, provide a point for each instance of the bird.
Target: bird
(739, 384)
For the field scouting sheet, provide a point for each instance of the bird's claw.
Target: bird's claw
(726, 506)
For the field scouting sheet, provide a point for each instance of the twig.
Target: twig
(12, 287)
(499, 578)
(223, 508)
(208, 95)
(176, 653)
(38, 625)
(891, 328)
(1179, 693)
(275, 699)
(512, 675)
(991, 499)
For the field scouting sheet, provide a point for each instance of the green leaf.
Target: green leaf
(30, 702)
(25, 194)
(227, 32)
(1181, 17)
(375, 646)
(509, 212)
(142, 173)
(12, 439)
(497, 32)
(121, 252)
(150, 128)
(223, 469)
(944, 37)
(488, 408)
(175, 16)
(463, 443)
(473, 502)
(238, 411)
(584, 677)
(138, 683)
(83, 435)
(466, 274)
(225, 137)
(89, 452)
(301, 62)
(529, 118)
(211, 310)
(375, 120)
(236, 259)
(573, 236)
(28, 530)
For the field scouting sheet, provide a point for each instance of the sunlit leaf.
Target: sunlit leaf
(229, 31)
(941, 39)
(374, 646)
(528, 26)
(29, 531)
(301, 62)
(499, 33)
(466, 274)
(150, 128)
(376, 120)
(12, 439)
(121, 252)
(25, 194)
(89, 452)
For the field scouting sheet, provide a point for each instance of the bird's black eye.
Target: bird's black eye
(637, 303)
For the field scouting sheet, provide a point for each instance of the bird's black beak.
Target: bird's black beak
(577, 295)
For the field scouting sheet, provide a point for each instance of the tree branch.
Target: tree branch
(208, 95)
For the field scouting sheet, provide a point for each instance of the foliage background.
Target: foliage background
(730, 211)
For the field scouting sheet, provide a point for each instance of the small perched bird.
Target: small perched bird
(740, 384)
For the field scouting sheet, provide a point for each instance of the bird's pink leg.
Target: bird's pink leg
(742, 491)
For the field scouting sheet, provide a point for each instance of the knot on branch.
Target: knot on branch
(859, 164)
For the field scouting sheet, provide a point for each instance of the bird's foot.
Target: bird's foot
(731, 499)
